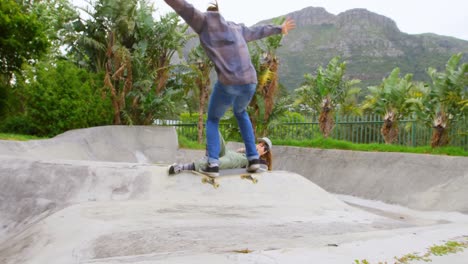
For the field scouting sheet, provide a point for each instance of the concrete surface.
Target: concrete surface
(423, 182)
(102, 195)
(111, 143)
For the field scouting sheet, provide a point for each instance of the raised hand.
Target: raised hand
(288, 25)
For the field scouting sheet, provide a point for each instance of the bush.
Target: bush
(18, 125)
(187, 118)
(3, 100)
(61, 97)
(292, 117)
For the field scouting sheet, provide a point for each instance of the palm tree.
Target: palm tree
(328, 92)
(158, 42)
(393, 100)
(122, 35)
(446, 102)
(167, 39)
(201, 67)
(266, 64)
(109, 38)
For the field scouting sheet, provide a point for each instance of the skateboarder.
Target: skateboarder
(230, 159)
(225, 43)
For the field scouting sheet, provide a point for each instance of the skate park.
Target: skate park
(102, 195)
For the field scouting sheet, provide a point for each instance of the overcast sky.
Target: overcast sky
(448, 17)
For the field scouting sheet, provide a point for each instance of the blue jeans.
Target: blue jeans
(222, 97)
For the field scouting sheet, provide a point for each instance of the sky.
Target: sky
(448, 18)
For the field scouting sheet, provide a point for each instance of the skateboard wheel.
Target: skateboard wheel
(254, 180)
(204, 180)
(216, 185)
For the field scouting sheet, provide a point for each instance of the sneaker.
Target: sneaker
(211, 170)
(254, 165)
(175, 169)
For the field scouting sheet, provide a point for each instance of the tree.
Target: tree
(122, 39)
(156, 79)
(23, 38)
(58, 96)
(59, 17)
(393, 100)
(166, 39)
(328, 92)
(109, 39)
(266, 64)
(201, 67)
(445, 102)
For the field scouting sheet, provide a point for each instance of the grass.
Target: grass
(189, 144)
(4, 136)
(450, 247)
(328, 143)
(413, 257)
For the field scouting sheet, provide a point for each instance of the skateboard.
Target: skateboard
(241, 173)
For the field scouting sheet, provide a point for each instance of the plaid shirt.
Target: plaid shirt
(224, 42)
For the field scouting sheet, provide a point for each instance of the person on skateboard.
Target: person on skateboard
(225, 43)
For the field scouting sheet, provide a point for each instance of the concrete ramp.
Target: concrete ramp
(422, 182)
(99, 195)
(142, 144)
(83, 212)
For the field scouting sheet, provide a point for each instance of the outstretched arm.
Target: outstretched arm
(259, 32)
(190, 14)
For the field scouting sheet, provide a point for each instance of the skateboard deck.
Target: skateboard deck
(236, 173)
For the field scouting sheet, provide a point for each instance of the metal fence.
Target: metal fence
(356, 129)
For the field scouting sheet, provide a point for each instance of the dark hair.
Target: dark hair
(266, 147)
(213, 7)
(267, 156)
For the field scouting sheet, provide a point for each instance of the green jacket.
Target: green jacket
(228, 159)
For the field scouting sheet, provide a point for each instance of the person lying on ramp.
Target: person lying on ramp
(229, 159)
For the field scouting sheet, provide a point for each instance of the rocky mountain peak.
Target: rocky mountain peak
(312, 16)
(360, 18)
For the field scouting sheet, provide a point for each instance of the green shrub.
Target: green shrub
(292, 117)
(187, 118)
(18, 125)
(3, 100)
(61, 97)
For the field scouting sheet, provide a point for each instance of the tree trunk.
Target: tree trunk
(114, 98)
(201, 110)
(389, 128)
(256, 113)
(326, 118)
(389, 132)
(108, 79)
(326, 122)
(440, 135)
(162, 76)
(203, 84)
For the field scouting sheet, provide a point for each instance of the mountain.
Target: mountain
(371, 44)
